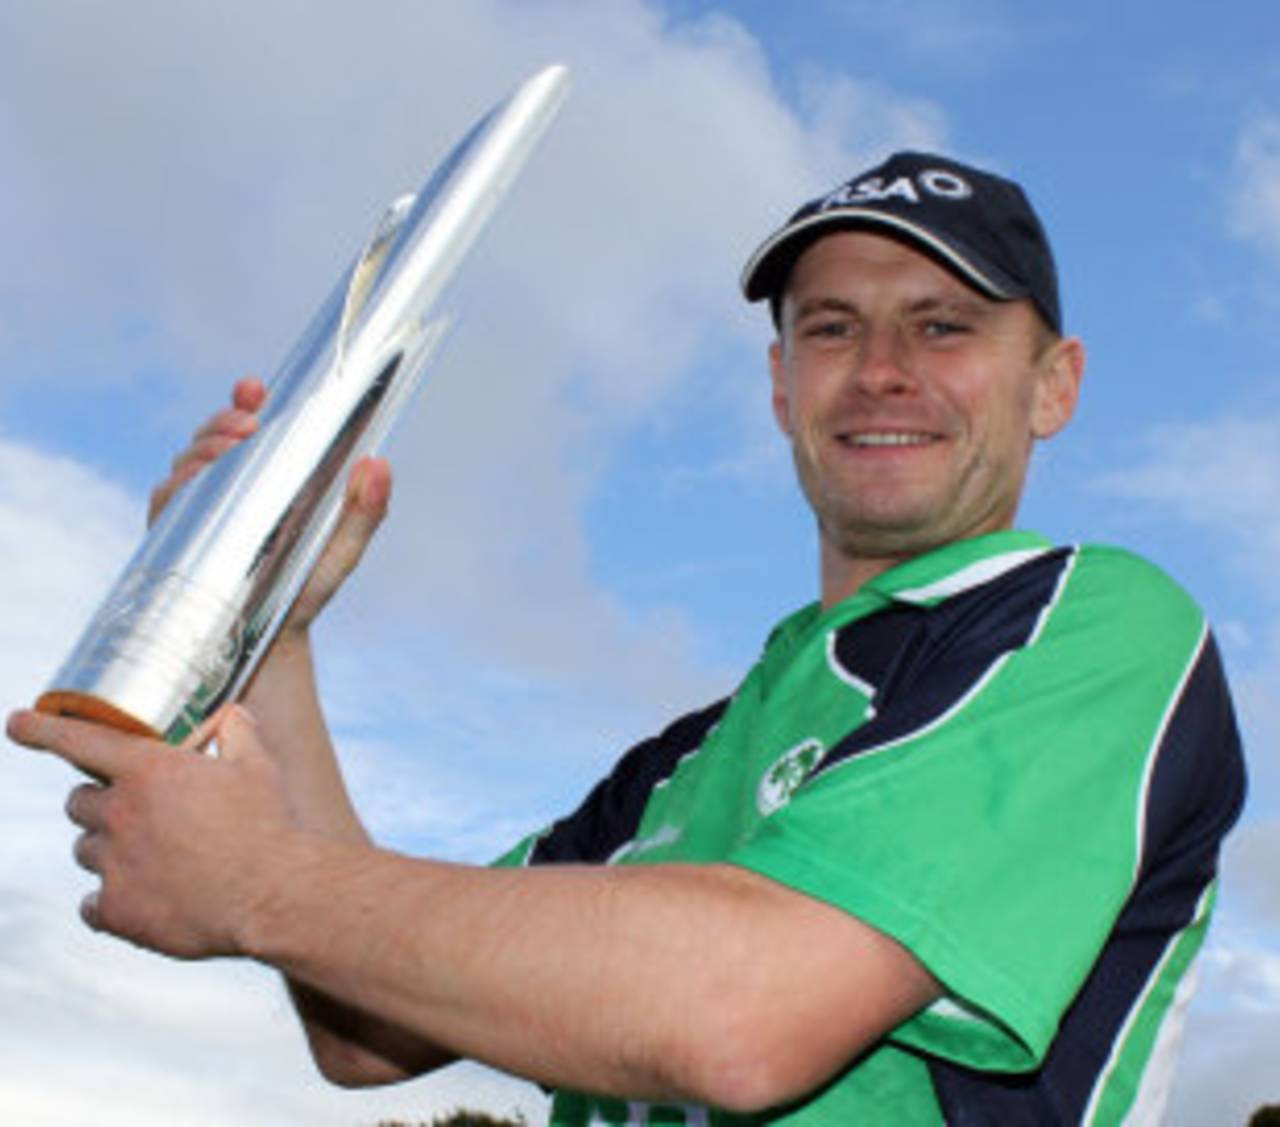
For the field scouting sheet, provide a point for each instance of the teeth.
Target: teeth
(901, 439)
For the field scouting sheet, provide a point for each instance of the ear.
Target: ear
(1057, 390)
(778, 378)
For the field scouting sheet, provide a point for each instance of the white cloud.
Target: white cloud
(238, 159)
(1249, 864)
(1222, 475)
(64, 533)
(130, 1021)
(1249, 980)
(232, 174)
(1227, 1067)
(1254, 205)
(863, 120)
(605, 280)
(97, 1032)
(1229, 1073)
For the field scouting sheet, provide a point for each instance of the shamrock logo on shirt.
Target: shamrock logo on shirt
(788, 771)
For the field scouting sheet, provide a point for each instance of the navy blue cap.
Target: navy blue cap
(979, 225)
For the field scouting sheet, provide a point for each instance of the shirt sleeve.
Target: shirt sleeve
(607, 819)
(999, 835)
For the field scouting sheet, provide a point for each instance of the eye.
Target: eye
(938, 329)
(831, 329)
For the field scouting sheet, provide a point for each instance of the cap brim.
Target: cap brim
(773, 259)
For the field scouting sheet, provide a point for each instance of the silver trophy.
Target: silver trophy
(201, 599)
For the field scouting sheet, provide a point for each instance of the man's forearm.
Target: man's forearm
(284, 700)
(349, 1046)
(355, 1049)
(464, 958)
(650, 982)
(686, 981)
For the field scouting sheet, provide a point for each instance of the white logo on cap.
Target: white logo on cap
(934, 181)
(945, 184)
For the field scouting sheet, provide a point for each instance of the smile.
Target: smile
(888, 438)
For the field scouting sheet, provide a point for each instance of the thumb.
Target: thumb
(363, 509)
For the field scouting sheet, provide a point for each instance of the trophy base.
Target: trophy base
(83, 706)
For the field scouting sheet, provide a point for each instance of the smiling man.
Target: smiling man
(947, 853)
(911, 402)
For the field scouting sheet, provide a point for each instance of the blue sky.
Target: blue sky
(594, 523)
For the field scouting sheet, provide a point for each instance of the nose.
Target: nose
(882, 366)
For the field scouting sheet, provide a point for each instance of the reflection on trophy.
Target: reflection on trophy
(201, 599)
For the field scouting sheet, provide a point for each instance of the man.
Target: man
(947, 853)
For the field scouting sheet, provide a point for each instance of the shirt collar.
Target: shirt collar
(921, 581)
(960, 566)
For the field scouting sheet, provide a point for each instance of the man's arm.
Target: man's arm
(348, 1046)
(694, 982)
(689, 982)
(659, 981)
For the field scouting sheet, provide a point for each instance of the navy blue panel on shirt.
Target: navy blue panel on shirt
(923, 660)
(1198, 786)
(872, 648)
(1196, 791)
(610, 815)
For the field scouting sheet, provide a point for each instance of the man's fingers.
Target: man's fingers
(184, 470)
(100, 751)
(84, 805)
(202, 451)
(365, 505)
(228, 423)
(371, 483)
(160, 498)
(249, 394)
(367, 498)
(206, 447)
(87, 852)
(213, 438)
(91, 910)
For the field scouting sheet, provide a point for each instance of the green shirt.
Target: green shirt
(1004, 756)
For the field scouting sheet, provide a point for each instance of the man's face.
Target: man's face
(911, 400)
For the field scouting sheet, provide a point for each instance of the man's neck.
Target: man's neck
(844, 576)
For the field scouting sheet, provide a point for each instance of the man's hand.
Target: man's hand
(177, 838)
(363, 509)
(367, 497)
(213, 438)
